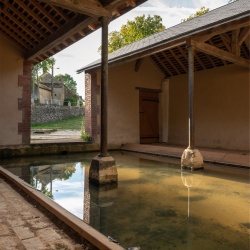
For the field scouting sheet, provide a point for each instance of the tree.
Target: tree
(43, 67)
(68, 80)
(200, 12)
(133, 31)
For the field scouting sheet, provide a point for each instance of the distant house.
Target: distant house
(43, 91)
(148, 87)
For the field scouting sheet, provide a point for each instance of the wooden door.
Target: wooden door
(149, 124)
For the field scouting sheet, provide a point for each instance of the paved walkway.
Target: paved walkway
(228, 157)
(23, 226)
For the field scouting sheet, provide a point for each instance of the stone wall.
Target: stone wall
(50, 113)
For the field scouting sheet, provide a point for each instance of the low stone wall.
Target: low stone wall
(50, 113)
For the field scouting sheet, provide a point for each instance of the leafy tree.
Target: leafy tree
(42, 67)
(200, 12)
(133, 31)
(68, 81)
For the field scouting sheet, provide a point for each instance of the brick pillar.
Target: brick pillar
(92, 109)
(24, 103)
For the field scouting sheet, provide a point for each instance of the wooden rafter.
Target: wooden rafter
(243, 35)
(171, 64)
(206, 35)
(91, 8)
(21, 25)
(138, 64)
(178, 60)
(163, 65)
(15, 37)
(24, 19)
(222, 54)
(227, 43)
(37, 17)
(235, 45)
(196, 57)
(70, 29)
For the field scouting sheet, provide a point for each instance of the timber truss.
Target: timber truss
(216, 47)
(42, 28)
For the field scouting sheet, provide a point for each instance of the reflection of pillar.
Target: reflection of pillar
(86, 205)
(191, 157)
(100, 198)
(189, 180)
(25, 174)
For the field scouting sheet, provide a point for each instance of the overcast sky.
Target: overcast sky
(85, 51)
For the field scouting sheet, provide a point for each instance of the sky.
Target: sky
(85, 51)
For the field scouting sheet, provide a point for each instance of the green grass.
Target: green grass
(73, 123)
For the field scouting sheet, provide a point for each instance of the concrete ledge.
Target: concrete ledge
(86, 231)
(224, 157)
(50, 148)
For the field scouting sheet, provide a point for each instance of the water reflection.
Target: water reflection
(154, 206)
(191, 179)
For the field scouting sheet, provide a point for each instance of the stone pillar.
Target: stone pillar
(191, 157)
(24, 103)
(103, 169)
(92, 110)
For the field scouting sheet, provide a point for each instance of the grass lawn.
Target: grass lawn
(73, 123)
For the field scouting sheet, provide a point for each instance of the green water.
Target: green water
(155, 205)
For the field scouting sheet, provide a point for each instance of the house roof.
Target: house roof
(46, 79)
(45, 27)
(214, 24)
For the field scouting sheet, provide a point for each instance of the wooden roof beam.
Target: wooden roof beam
(243, 35)
(237, 24)
(178, 60)
(90, 8)
(55, 39)
(222, 54)
(138, 64)
(131, 3)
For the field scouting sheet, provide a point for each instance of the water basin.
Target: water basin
(155, 204)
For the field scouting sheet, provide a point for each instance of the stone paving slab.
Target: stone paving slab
(24, 227)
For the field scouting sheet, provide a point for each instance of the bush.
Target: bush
(84, 135)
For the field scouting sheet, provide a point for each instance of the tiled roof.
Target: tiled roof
(224, 14)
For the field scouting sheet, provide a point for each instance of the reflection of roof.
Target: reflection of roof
(224, 14)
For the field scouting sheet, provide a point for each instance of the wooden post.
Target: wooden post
(191, 96)
(104, 88)
(191, 157)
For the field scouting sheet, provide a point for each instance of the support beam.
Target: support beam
(191, 96)
(103, 169)
(222, 54)
(104, 89)
(191, 157)
(90, 8)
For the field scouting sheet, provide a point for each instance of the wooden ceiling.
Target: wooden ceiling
(212, 49)
(44, 27)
